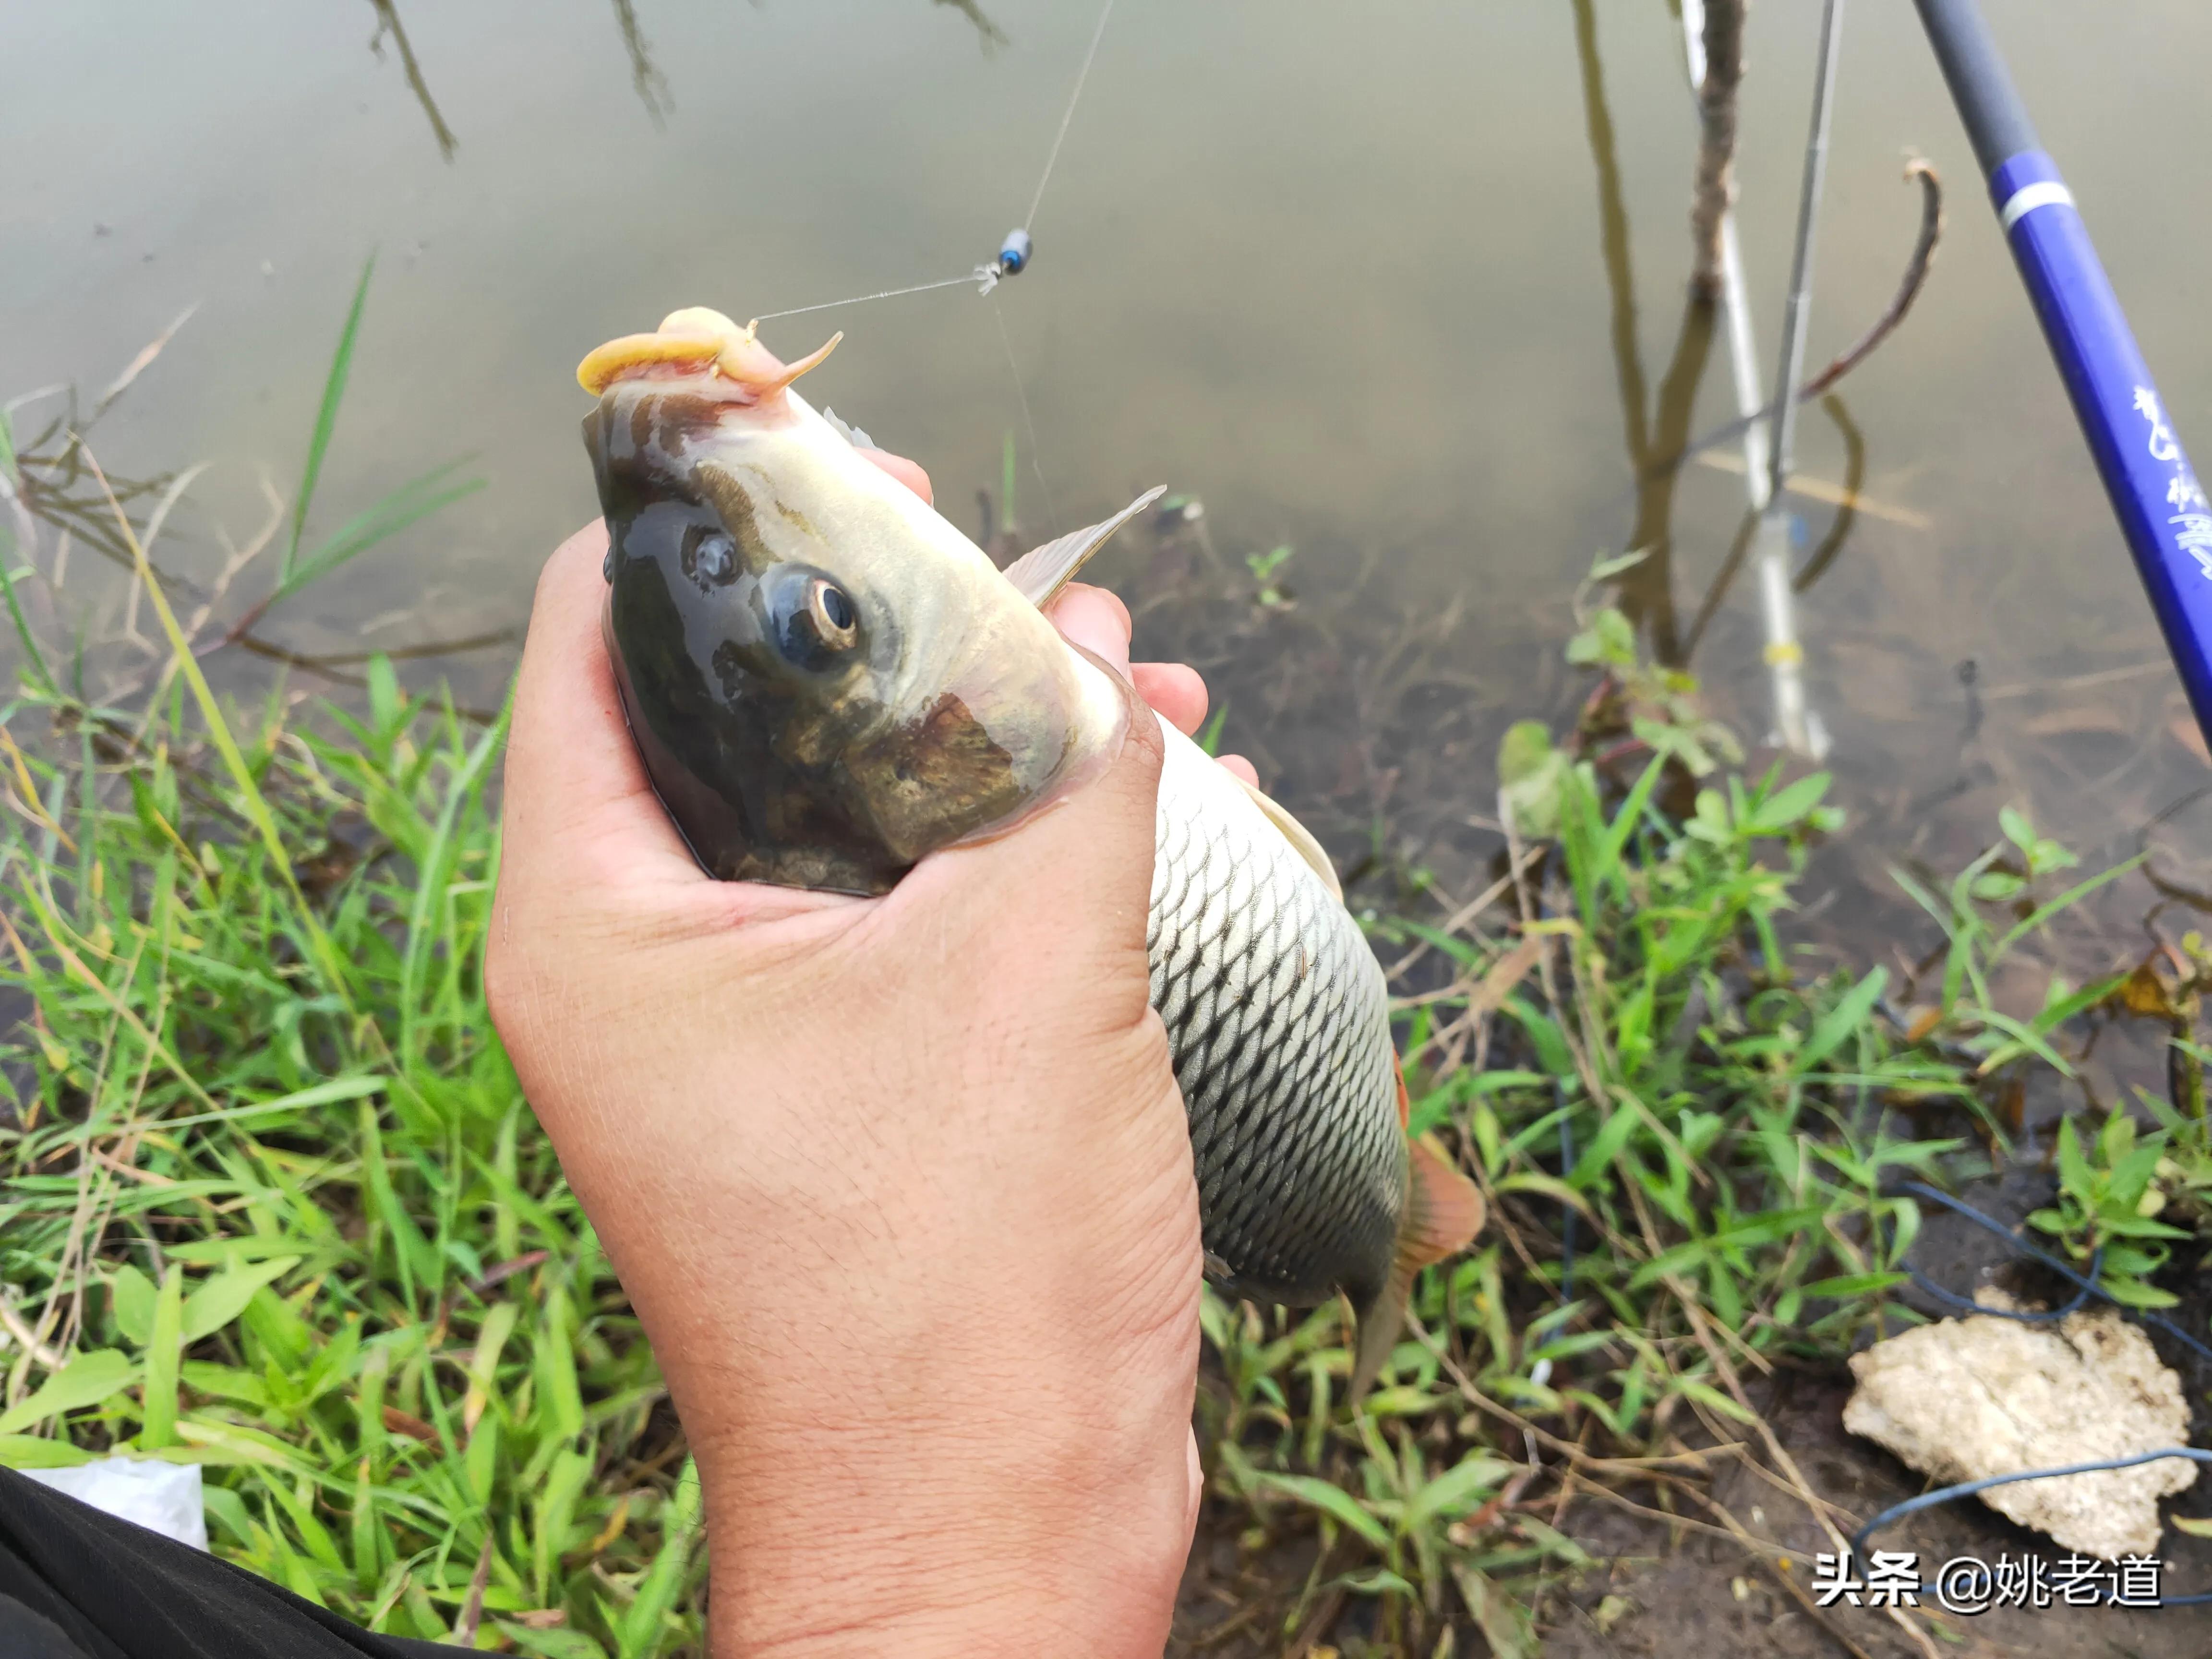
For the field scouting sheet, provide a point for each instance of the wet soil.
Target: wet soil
(1661, 1590)
(1712, 1599)
(1664, 1593)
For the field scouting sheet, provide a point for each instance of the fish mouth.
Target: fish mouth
(693, 341)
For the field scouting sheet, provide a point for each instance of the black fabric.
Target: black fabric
(75, 1583)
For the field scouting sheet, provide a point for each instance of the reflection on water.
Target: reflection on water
(648, 82)
(388, 23)
(1372, 286)
(1647, 595)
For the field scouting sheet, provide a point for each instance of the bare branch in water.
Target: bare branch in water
(1908, 290)
(1900, 303)
(1847, 510)
(138, 364)
(388, 22)
(1715, 191)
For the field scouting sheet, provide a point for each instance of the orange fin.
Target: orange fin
(1443, 1213)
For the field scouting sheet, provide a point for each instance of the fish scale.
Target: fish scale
(1278, 1025)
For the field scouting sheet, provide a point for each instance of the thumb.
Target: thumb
(1080, 867)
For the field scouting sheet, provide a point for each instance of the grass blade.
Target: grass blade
(327, 418)
(639, 1630)
(416, 499)
(165, 1352)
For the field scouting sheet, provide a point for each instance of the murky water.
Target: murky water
(1396, 286)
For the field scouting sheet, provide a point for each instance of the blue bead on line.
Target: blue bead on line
(1014, 254)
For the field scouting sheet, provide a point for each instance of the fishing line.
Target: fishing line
(1012, 259)
(1029, 425)
(1014, 253)
(862, 299)
(1068, 117)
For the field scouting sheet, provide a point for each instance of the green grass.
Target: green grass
(330, 1255)
(273, 1202)
(1642, 1047)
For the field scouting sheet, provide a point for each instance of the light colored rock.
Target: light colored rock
(1966, 1399)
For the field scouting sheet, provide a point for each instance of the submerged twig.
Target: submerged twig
(138, 364)
(1908, 287)
(1909, 284)
(1847, 510)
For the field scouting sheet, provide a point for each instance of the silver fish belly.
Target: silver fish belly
(1278, 1023)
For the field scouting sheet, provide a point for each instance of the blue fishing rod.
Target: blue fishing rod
(2155, 493)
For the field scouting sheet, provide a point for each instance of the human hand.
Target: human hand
(900, 1188)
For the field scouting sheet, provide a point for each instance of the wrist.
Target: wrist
(1010, 1540)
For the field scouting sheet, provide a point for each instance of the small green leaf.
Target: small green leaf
(1852, 1285)
(2073, 1168)
(130, 1297)
(164, 1355)
(35, 1451)
(1788, 807)
(559, 1643)
(1713, 1400)
(1330, 1499)
(1375, 1581)
(1531, 775)
(1453, 1491)
(1505, 1624)
(1841, 1021)
(1616, 638)
(224, 1297)
(387, 706)
(87, 1380)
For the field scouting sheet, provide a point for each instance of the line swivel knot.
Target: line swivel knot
(1013, 259)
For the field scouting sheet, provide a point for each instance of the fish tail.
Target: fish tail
(1443, 1213)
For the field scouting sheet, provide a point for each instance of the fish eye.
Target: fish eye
(832, 608)
(811, 619)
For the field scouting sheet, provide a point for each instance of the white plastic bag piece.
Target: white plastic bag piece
(163, 1498)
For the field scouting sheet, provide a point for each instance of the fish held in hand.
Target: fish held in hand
(828, 681)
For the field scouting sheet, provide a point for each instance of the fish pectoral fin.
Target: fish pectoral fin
(1443, 1213)
(1300, 838)
(1042, 572)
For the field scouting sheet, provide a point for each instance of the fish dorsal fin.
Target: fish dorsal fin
(1042, 572)
(1300, 838)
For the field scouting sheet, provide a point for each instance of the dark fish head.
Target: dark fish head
(826, 679)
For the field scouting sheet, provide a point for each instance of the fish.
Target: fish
(826, 682)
